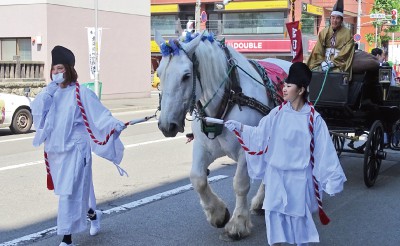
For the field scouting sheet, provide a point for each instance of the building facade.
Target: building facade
(256, 28)
(31, 28)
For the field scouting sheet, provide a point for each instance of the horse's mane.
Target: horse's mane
(213, 67)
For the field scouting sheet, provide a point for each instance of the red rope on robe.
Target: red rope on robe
(322, 215)
(50, 184)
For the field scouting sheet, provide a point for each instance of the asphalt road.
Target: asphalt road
(155, 205)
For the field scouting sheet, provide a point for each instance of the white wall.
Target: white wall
(125, 52)
(140, 7)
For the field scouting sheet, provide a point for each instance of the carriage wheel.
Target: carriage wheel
(373, 153)
(395, 140)
(338, 142)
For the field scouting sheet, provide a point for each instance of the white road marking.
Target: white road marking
(134, 112)
(21, 165)
(124, 207)
(154, 141)
(15, 139)
(123, 113)
(126, 146)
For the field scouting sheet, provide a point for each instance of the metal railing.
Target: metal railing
(219, 27)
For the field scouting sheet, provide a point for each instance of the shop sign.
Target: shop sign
(312, 9)
(164, 8)
(256, 5)
(272, 45)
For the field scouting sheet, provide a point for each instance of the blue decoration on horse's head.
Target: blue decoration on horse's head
(175, 48)
(165, 49)
(169, 48)
(172, 46)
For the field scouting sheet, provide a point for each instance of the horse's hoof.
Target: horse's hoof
(229, 238)
(226, 219)
(258, 211)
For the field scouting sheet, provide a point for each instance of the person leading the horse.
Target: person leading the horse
(60, 125)
(298, 152)
(335, 46)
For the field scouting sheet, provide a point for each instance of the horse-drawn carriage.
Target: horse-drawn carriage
(363, 109)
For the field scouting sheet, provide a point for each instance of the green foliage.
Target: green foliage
(370, 38)
(384, 6)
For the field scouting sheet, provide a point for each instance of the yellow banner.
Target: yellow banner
(154, 47)
(275, 4)
(312, 9)
(164, 8)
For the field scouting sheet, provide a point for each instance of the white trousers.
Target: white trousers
(72, 177)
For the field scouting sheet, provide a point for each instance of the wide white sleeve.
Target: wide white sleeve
(40, 106)
(102, 123)
(327, 168)
(256, 138)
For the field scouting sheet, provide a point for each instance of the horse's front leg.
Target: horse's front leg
(258, 200)
(214, 208)
(239, 225)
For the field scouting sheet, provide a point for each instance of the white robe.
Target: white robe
(287, 174)
(60, 126)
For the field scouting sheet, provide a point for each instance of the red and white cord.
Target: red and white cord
(322, 215)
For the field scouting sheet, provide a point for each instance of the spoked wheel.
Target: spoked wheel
(395, 140)
(338, 142)
(373, 153)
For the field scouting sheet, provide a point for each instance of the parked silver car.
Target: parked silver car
(15, 113)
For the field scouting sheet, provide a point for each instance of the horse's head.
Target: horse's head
(176, 74)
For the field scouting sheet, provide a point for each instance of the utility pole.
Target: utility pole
(376, 35)
(359, 12)
(96, 35)
(197, 15)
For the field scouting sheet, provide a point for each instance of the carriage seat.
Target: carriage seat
(334, 92)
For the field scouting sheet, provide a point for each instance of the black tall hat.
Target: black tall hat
(62, 55)
(338, 8)
(299, 74)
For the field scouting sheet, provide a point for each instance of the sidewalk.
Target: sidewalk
(132, 104)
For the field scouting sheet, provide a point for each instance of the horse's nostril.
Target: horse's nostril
(172, 127)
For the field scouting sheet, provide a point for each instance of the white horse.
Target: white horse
(180, 86)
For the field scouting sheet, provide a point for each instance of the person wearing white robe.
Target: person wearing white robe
(60, 126)
(285, 168)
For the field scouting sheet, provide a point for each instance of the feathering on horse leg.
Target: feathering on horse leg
(214, 208)
(240, 224)
(257, 201)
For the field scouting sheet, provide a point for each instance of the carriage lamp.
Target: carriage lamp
(385, 76)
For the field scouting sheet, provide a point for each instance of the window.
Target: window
(307, 23)
(165, 24)
(253, 23)
(11, 47)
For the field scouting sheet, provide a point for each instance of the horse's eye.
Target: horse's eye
(186, 76)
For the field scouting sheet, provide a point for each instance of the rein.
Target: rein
(233, 92)
(86, 122)
(322, 215)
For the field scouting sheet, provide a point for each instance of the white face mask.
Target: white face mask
(58, 78)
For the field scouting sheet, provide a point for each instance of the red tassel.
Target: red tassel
(323, 217)
(50, 184)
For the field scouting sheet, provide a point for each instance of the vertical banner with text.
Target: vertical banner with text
(92, 50)
(295, 40)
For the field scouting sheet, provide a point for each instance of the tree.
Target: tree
(383, 28)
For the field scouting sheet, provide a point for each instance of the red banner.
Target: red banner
(295, 40)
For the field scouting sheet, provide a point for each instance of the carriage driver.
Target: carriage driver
(335, 45)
